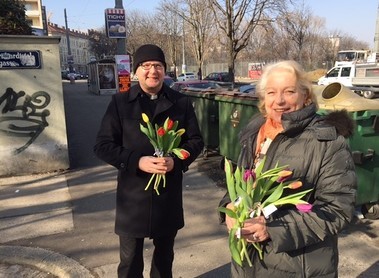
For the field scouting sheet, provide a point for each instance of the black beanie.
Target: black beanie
(148, 52)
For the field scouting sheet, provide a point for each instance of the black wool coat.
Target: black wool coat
(120, 143)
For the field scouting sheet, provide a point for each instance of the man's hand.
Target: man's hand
(156, 165)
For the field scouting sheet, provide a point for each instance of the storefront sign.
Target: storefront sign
(115, 23)
(20, 59)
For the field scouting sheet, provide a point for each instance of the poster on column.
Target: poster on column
(123, 71)
(115, 23)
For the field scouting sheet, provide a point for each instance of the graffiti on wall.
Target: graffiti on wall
(23, 115)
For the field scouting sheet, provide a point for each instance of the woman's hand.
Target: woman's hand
(156, 165)
(255, 230)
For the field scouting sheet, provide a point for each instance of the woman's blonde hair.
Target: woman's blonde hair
(304, 85)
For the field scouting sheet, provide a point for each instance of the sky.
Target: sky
(354, 17)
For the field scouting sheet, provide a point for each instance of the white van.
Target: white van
(186, 76)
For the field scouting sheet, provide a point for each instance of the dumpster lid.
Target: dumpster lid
(336, 97)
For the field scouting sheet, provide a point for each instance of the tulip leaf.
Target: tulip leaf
(230, 179)
(274, 196)
(233, 246)
(228, 212)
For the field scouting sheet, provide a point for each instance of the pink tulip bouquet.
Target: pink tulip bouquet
(165, 140)
(256, 193)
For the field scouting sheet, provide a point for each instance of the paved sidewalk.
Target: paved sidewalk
(42, 225)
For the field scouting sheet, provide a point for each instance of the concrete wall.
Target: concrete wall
(33, 136)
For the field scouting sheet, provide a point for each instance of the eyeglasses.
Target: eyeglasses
(148, 66)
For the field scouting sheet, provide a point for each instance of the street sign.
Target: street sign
(20, 59)
(115, 23)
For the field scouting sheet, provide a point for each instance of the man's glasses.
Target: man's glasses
(148, 66)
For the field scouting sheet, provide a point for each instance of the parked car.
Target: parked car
(187, 76)
(171, 74)
(64, 74)
(249, 89)
(73, 74)
(218, 76)
(83, 75)
(200, 84)
(168, 81)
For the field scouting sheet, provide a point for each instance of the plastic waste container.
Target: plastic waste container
(235, 111)
(206, 109)
(364, 144)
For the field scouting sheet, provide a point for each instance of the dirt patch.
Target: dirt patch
(316, 74)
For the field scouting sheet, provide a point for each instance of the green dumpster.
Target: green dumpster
(364, 144)
(206, 109)
(365, 148)
(235, 111)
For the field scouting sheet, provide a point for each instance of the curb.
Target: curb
(45, 260)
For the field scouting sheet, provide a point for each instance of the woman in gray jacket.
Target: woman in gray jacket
(289, 132)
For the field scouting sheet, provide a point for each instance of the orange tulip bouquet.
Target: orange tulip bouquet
(256, 193)
(165, 140)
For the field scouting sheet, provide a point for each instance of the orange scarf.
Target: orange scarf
(268, 130)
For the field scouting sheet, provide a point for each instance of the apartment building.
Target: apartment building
(79, 46)
(79, 41)
(36, 16)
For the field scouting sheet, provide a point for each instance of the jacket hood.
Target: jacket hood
(342, 121)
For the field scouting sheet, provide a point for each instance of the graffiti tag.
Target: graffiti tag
(24, 115)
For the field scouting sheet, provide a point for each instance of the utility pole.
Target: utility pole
(70, 59)
(184, 67)
(121, 42)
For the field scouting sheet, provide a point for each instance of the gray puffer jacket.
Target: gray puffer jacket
(314, 148)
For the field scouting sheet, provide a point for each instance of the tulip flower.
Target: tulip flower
(145, 118)
(305, 208)
(249, 174)
(284, 175)
(181, 131)
(161, 132)
(295, 185)
(170, 124)
(181, 153)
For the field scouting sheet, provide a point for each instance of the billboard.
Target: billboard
(107, 76)
(115, 23)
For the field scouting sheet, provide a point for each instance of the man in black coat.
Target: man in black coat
(144, 213)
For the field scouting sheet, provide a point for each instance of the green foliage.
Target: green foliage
(13, 18)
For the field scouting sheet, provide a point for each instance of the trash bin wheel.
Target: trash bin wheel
(205, 153)
(371, 211)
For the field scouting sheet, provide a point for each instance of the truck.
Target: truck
(359, 73)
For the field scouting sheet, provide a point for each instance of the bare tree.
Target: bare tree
(237, 19)
(296, 26)
(315, 52)
(172, 30)
(197, 16)
(141, 29)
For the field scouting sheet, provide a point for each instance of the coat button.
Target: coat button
(122, 165)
